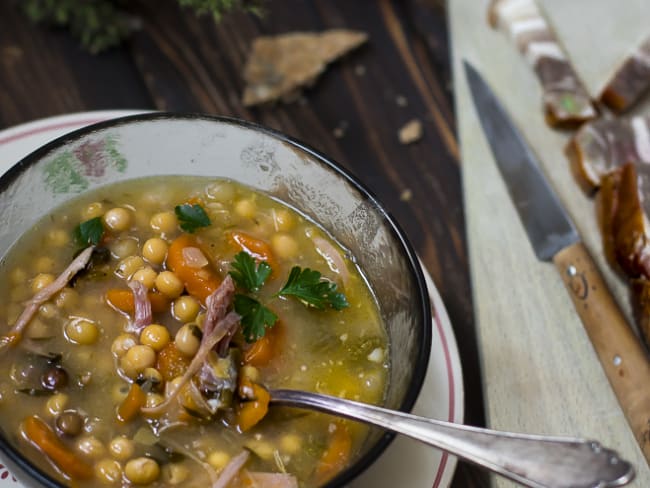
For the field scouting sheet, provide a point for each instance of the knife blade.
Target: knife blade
(554, 237)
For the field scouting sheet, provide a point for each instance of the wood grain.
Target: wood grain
(182, 62)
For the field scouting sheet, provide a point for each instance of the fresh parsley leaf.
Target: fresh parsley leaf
(191, 217)
(255, 317)
(308, 286)
(89, 232)
(246, 275)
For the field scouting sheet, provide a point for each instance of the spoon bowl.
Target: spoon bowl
(531, 460)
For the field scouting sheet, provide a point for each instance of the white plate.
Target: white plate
(405, 462)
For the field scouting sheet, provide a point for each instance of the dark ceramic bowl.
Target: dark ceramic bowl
(172, 144)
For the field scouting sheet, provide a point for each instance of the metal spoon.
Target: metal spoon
(535, 461)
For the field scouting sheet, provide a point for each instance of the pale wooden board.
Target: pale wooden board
(540, 372)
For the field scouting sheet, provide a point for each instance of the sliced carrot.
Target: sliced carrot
(249, 413)
(131, 405)
(256, 248)
(171, 362)
(336, 454)
(263, 350)
(199, 282)
(39, 433)
(123, 300)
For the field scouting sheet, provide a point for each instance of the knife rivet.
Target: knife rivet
(571, 270)
(617, 360)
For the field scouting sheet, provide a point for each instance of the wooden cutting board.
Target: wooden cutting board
(540, 372)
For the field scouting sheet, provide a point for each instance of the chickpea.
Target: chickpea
(81, 331)
(246, 208)
(283, 220)
(169, 284)
(218, 459)
(220, 191)
(122, 344)
(153, 375)
(154, 250)
(291, 443)
(108, 471)
(18, 276)
(251, 373)
(142, 471)
(185, 308)
(92, 210)
(128, 368)
(155, 336)
(121, 448)
(44, 264)
(128, 266)
(41, 281)
(56, 404)
(188, 340)
(284, 246)
(146, 276)
(118, 219)
(48, 310)
(119, 392)
(91, 447)
(19, 293)
(141, 357)
(174, 473)
(153, 400)
(67, 298)
(58, 237)
(122, 248)
(164, 222)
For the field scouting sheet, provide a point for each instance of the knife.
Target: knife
(554, 238)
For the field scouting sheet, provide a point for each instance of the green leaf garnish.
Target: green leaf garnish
(255, 317)
(89, 232)
(246, 275)
(191, 217)
(308, 286)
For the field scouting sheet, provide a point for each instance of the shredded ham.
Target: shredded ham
(333, 258)
(194, 257)
(216, 325)
(272, 480)
(142, 315)
(77, 264)
(231, 470)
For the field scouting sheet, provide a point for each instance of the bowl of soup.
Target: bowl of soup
(161, 272)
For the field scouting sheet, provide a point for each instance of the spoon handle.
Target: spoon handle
(535, 461)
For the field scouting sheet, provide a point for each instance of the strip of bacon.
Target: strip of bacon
(215, 327)
(15, 334)
(566, 102)
(630, 81)
(142, 312)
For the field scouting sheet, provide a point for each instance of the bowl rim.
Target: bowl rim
(424, 351)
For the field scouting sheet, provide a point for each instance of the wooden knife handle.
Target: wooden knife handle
(621, 354)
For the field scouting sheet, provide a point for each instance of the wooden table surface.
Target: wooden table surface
(179, 62)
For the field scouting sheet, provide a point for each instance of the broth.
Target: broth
(101, 377)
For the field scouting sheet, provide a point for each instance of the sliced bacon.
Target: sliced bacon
(215, 327)
(231, 470)
(142, 315)
(77, 264)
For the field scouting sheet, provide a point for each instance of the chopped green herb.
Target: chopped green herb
(308, 286)
(191, 217)
(89, 232)
(255, 317)
(246, 275)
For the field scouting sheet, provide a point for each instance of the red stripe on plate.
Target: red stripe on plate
(450, 380)
(45, 128)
